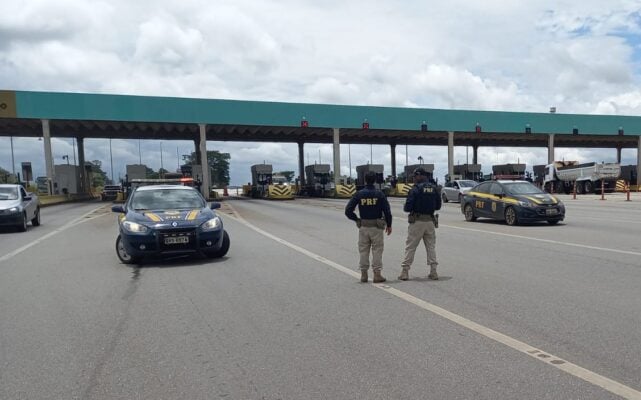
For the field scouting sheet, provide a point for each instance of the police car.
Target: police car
(513, 202)
(168, 220)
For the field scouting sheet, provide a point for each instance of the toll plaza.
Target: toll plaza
(79, 115)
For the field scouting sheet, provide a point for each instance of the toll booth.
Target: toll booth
(362, 170)
(539, 175)
(469, 172)
(317, 180)
(629, 177)
(508, 171)
(261, 179)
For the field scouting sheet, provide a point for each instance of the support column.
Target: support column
(450, 154)
(639, 162)
(203, 160)
(301, 163)
(551, 148)
(475, 154)
(393, 154)
(337, 157)
(619, 154)
(84, 188)
(46, 137)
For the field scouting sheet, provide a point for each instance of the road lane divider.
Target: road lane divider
(575, 370)
(74, 222)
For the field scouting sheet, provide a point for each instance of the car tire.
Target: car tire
(444, 197)
(123, 256)
(553, 222)
(510, 216)
(36, 219)
(22, 227)
(468, 211)
(579, 188)
(588, 187)
(224, 248)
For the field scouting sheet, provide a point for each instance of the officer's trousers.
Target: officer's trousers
(417, 231)
(370, 237)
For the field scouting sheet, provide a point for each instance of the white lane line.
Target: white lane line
(608, 384)
(63, 228)
(569, 244)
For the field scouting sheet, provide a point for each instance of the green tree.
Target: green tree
(98, 176)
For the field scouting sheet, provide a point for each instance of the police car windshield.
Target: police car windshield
(8, 193)
(467, 183)
(166, 199)
(522, 188)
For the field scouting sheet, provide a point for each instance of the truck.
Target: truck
(317, 180)
(470, 172)
(562, 176)
(362, 170)
(266, 184)
(508, 171)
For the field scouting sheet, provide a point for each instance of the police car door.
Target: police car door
(496, 208)
(481, 201)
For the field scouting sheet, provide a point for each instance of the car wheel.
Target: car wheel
(553, 221)
(224, 248)
(124, 257)
(22, 227)
(444, 196)
(36, 220)
(589, 187)
(510, 216)
(469, 213)
(579, 188)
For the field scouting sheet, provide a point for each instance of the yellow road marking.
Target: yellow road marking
(608, 384)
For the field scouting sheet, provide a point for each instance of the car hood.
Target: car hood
(171, 218)
(538, 198)
(6, 204)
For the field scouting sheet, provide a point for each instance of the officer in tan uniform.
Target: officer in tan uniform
(375, 217)
(422, 200)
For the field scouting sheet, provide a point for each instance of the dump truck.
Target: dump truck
(265, 184)
(362, 170)
(317, 180)
(561, 176)
(470, 172)
(508, 171)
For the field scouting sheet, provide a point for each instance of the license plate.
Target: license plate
(551, 211)
(177, 240)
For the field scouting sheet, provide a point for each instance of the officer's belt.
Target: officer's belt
(424, 217)
(370, 223)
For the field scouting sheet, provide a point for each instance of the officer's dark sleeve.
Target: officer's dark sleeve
(350, 207)
(386, 210)
(437, 202)
(409, 202)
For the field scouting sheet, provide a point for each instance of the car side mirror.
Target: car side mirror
(215, 205)
(118, 209)
(27, 198)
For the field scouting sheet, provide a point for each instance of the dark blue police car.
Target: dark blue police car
(168, 220)
(513, 202)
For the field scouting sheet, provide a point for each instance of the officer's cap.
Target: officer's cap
(420, 171)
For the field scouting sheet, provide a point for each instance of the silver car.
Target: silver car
(17, 207)
(454, 190)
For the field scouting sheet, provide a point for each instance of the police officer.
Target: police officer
(422, 200)
(372, 207)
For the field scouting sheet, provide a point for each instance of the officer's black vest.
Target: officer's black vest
(425, 197)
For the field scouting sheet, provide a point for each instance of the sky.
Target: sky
(490, 55)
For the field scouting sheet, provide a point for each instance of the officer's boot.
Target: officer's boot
(378, 278)
(364, 275)
(433, 275)
(404, 275)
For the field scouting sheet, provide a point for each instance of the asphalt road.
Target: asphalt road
(283, 317)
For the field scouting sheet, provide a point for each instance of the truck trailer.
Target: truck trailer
(562, 176)
(317, 180)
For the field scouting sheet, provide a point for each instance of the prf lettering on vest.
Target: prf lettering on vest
(427, 190)
(370, 201)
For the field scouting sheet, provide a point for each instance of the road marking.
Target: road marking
(583, 246)
(608, 384)
(70, 224)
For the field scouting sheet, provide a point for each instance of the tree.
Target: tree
(98, 176)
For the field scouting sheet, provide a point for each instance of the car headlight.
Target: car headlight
(526, 204)
(134, 227)
(212, 224)
(13, 209)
